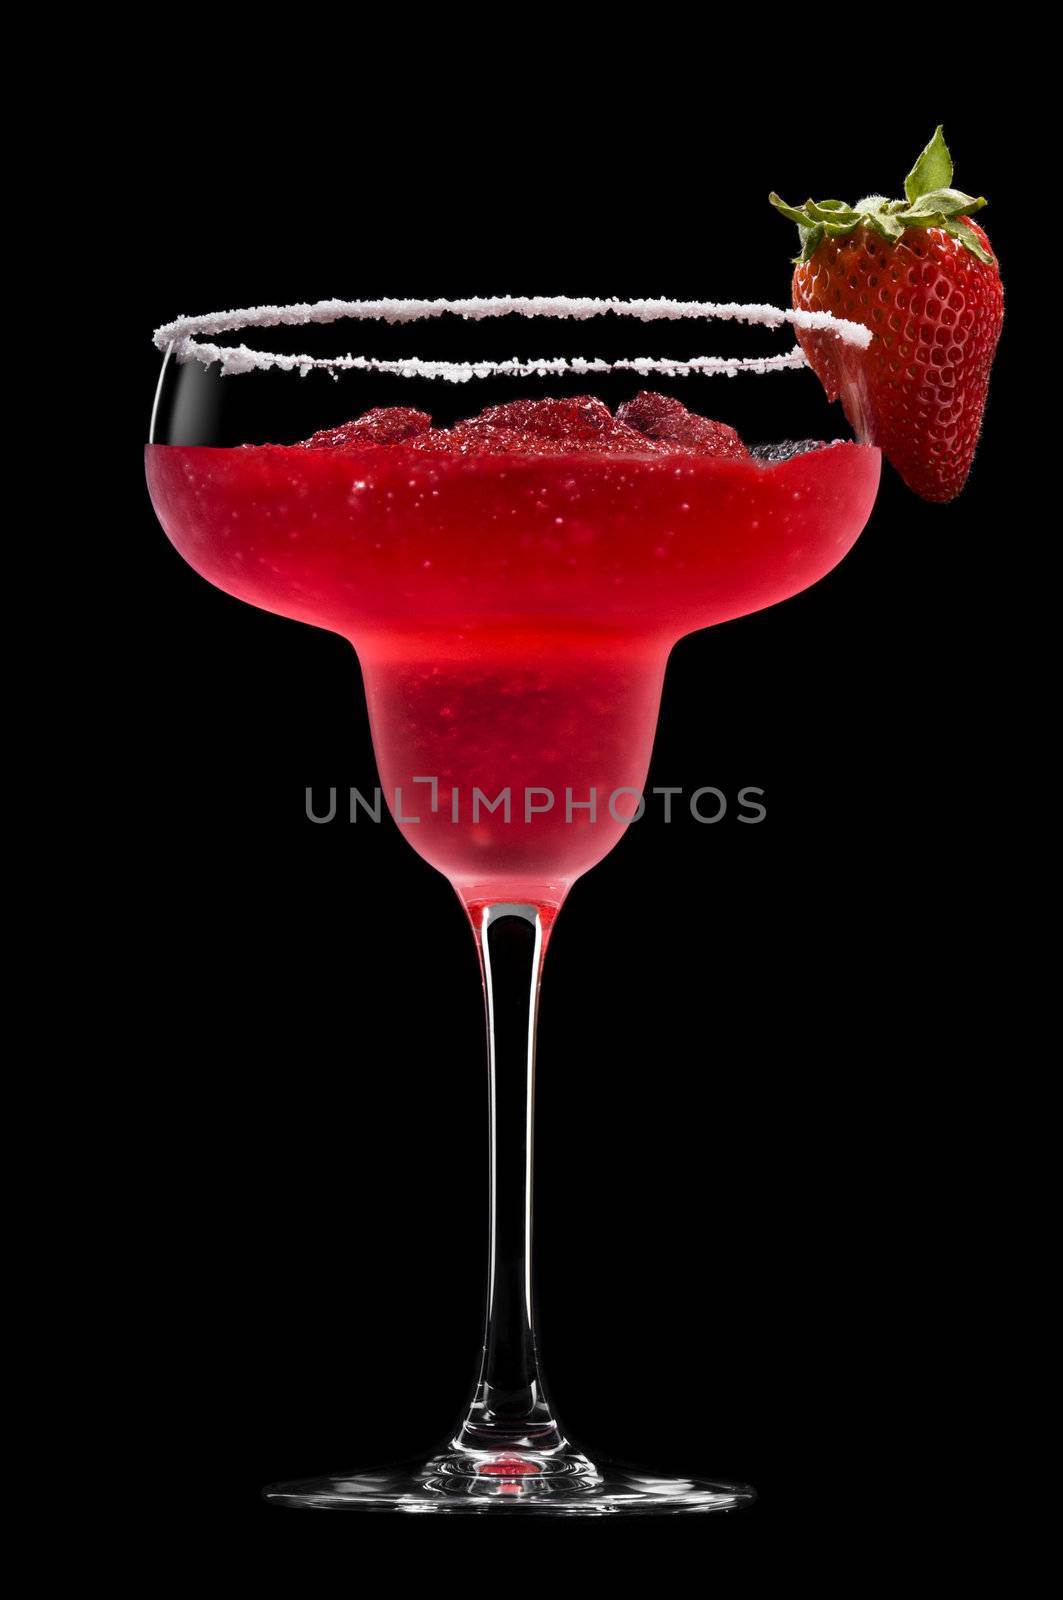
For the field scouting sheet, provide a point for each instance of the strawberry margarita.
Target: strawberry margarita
(513, 586)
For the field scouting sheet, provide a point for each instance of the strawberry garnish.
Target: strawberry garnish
(922, 276)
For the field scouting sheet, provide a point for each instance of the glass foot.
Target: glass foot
(557, 1485)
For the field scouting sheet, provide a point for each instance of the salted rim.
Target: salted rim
(178, 337)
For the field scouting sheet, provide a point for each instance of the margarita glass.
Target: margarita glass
(513, 586)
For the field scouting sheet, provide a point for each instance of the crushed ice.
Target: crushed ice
(785, 449)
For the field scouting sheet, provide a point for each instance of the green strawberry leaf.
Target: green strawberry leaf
(967, 236)
(811, 239)
(833, 213)
(885, 224)
(789, 211)
(933, 170)
(941, 203)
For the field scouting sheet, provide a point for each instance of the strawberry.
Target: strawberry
(921, 275)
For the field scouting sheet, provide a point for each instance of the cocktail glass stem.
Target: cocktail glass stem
(509, 1452)
(510, 1410)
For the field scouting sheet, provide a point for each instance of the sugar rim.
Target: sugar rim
(177, 337)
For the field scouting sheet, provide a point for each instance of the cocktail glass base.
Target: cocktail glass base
(510, 1484)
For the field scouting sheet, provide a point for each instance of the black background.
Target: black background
(764, 1195)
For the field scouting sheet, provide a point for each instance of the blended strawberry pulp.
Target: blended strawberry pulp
(513, 586)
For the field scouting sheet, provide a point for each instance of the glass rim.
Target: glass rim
(179, 337)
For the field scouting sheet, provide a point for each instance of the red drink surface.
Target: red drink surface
(513, 587)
